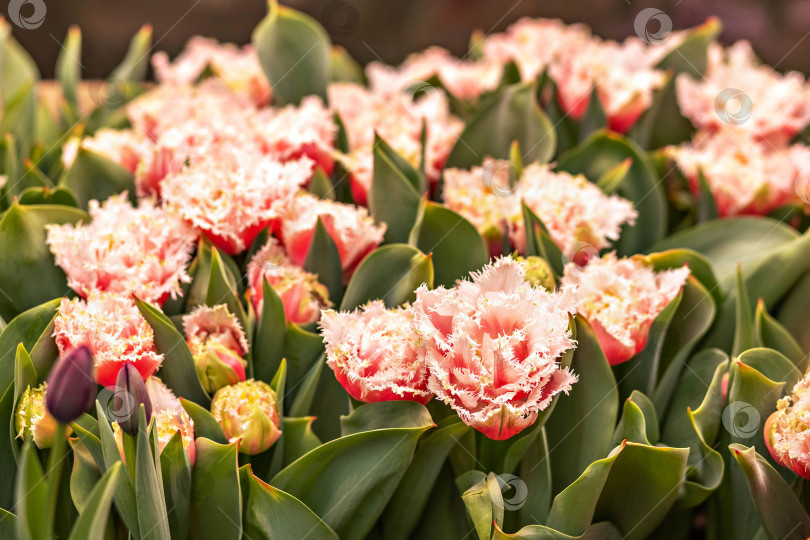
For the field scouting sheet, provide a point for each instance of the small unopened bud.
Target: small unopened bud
(219, 366)
(130, 394)
(71, 386)
(247, 411)
(33, 420)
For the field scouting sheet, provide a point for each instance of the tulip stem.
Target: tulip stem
(54, 472)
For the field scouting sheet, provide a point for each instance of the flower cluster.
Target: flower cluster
(787, 431)
(574, 210)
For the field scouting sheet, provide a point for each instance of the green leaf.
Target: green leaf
(8, 524)
(216, 499)
(33, 328)
(598, 531)
(323, 259)
(483, 500)
(69, 71)
(125, 499)
(604, 151)
(93, 176)
(706, 206)
(344, 68)
(781, 512)
(271, 330)
(152, 514)
(222, 289)
(744, 329)
(297, 438)
(321, 186)
(348, 481)
(22, 240)
(135, 64)
(84, 475)
(293, 50)
(271, 513)
(205, 425)
(662, 124)
(791, 311)
(511, 114)
(177, 370)
(539, 242)
(691, 55)
(18, 79)
(402, 514)
(31, 500)
(594, 117)
(391, 273)
(176, 476)
(92, 522)
(581, 428)
(639, 422)
(47, 195)
(394, 197)
(611, 180)
(454, 242)
(8, 452)
(768, 332)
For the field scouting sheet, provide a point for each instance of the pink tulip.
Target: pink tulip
(787, 431)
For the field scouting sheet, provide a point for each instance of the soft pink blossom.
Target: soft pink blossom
(738, 91)
(142, 251)
(111, 326)
(787, 430)
(125, 147)
(237, 67)
(217, 343)
(351, 227)
(493, 345)
(231, 197)
(744, 174)
(374, 353)
(621, 298)
(300, 292)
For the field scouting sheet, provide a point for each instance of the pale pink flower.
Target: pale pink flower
(398, 121)
(351, 227)
(237, 67)
(232, 196)
(374, 353)
(248, 413)
(624, 76)
(141, 251)
(787, 430)
(32, 421)
(464, 79)
(492, 347)
(574, 210)
(621, 298)
(125, 147)
(218, 343)
(300, 292)
(111, 326)
(738, 91)
(305, 130)
(745, 175)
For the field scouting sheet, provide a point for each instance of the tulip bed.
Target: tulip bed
(552, 290)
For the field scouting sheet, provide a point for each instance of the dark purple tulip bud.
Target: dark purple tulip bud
(71, 386)
(130, 394)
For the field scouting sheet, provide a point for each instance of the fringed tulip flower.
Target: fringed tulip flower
(33, 421)
(233, 196)
(141, 251)
(217, 342)
(787, 431)
(620, 299)
(71, 388)
(493, 347)
(237, 67)
(124, 146)
(248, 412)
(351, 227)
(374, 353)
(114, 332)
(744, 175)
(738, 92)
(300, 292)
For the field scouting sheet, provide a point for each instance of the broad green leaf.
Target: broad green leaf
(769, 333)
(344, 68)
(604, 151)
(205, 425)
(382, 415)
(662, 124)
(69, 71)
(176, 477)
(307, 390)
(33, 328)
(706, 206)
(597, 531)
(293, 50)
(271, 513)
(216, 500)
(8, 451)
(791, 312)
(323, 260)
(321, 186)
(18, 79)
(22, 240)
(594, 117)
(611, 180)
(8, 524)
(581, 428)
(302, 350)
(781, 512)
(744, 327)
(297, 438)
(84, 475)
(691, 55)
(125, 500)
(177, 370)
(455, 244)
(152, 513)
(445, 515)
(348, 481)
(408, 502)
(268, 343)
(46, 195)
(391, 273)
(135, 64)
(93, 176)
(31, 499)
(393, 198)
(511, 114)
(483, 500)
(92, 522)
(222, 289)
(535, 471)
(539, 242)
